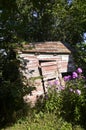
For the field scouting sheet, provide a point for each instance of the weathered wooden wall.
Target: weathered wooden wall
(48, 64)
(47, 60)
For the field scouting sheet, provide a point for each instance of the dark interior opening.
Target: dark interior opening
(66, 74)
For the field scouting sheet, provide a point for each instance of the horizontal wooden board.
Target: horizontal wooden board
(49, 68)
(48, 63)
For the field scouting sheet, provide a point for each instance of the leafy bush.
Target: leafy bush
(48, 122)
(74, 98)
(12, 89)
(69, 101)
(52, 100)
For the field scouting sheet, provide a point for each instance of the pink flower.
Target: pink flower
(67, 78)
(56, 82)
(74, 75)
(62, 87)
(77, 91)
(79, 70)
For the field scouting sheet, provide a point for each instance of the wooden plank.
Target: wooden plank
(48, 77)
(49, 72)
(49, 68)
(49, 63)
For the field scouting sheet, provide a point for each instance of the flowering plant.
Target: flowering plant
(68, 101)
(74, 97)
(52, 98)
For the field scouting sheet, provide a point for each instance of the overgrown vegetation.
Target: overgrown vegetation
(12, 88)
(63, 107)
(43, 121)
(69, 101)
(25, 21)
(80, 56)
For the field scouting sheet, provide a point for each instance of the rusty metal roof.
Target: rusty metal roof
(46, 47)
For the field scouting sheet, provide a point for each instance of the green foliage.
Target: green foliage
(74, 100)
(52, 101)
(47, 122)
(12, 89)
(68, 102)
(23, 20)
(80, 56)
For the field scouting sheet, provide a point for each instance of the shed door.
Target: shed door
(48, 70)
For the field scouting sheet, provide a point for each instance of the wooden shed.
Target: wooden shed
(48, 60)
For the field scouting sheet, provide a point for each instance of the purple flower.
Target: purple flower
(67, 78)
(56, 82)
(50, 83)
(71, 90)
(74, 75)
(77, 91)
(62, 87)
(79, 70)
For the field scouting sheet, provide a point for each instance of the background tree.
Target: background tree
(35, 21)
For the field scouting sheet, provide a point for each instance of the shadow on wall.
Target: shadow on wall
(70, 66)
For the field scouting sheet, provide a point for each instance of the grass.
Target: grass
(47, 121)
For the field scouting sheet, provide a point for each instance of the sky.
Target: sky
(85, 37)
(69, 1)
